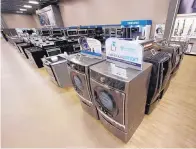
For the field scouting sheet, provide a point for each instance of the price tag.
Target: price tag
(121, 72)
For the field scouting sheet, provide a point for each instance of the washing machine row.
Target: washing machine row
(120, 103)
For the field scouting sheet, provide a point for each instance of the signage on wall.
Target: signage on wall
(136, 22)
(130, 53)
(90, 46)
(159, 31)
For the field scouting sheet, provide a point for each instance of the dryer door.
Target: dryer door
(109, 101)
(79, 82)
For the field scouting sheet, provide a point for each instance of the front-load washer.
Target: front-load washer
(120, 101)
(78, 67)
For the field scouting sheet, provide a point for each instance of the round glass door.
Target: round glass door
(106, 102)
(77, 83)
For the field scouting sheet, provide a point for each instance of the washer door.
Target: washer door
(80, 83)
(110, 101)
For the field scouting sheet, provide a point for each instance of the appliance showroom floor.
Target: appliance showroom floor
(36, 113)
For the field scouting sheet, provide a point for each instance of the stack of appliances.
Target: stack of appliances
(160, 76)
(112, 31)
(119, 98)
(91, 32)
(166, 58)
(82, 32)
(56, 66)
(120, 102)
(78, 66)
(136, 28)
(99, 34)
(176, 53)
(72, 41)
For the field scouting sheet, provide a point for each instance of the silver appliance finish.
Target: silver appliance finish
(120, 101)
(78, 66)
(58, 71)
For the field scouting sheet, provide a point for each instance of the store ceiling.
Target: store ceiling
(14, 6)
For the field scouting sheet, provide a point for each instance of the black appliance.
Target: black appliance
(35, 54)
(160, 76)
(57, 33)
(128, 32)
(124, 33)
(90, 32)
(82, 32)
(99, 34)
(72, 32)
(173, 51)
(45, 32)
(22, 48)
(30, 31)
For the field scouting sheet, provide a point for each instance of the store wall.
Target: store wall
(89, 12)
(35, 17)
(19, 21)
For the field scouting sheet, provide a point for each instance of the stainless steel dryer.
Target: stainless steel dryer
(78, 66)
(120, 101)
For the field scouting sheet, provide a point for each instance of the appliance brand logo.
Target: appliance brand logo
(126, 48)
(133, 23)
(113, 46)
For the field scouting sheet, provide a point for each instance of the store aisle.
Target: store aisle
(36, 113)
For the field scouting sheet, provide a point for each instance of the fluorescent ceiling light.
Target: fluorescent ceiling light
(27, 6)
(23, 9)
(33, 2)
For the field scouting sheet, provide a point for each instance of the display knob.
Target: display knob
(102, 79)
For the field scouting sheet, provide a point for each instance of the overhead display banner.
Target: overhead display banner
(124, 53)
(90, 46)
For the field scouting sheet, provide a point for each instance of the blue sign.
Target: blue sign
(136, 23)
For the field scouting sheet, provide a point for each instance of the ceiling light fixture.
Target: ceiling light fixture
(23, 9)
(27, 6)
(33, 2)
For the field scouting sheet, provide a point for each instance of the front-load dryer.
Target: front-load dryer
(78, 67)
(120, 101)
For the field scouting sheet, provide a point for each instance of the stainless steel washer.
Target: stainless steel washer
(78, 66)
(120, 101)
(58, 71)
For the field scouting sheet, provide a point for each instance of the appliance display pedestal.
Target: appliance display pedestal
(89, 108)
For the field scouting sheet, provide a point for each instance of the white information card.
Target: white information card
(124, 53)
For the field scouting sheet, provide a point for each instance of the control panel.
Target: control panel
(117, 84)
(75, 66)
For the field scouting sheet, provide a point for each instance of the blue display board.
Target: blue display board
(135, 23)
